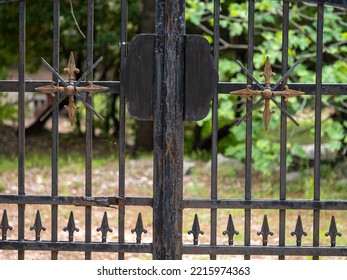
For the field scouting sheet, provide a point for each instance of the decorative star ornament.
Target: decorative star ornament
(71, 89)
(267, 93)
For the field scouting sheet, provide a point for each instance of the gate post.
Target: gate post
(168, 130)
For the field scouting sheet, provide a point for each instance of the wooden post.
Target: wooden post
(168, 130)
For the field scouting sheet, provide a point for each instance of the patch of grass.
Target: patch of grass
(8, 164)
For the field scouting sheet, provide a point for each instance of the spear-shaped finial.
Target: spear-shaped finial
(104, 228)
(71, 227)
(4, 225)
(139, 229)
(267, 73)
(299, 231)
(230, 231)
(38, 226)
(265, 231)
(333, 232)
(196, 230)
(71, 69)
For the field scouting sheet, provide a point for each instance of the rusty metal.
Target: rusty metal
(71, 89)
(168, 104)
(4, 225)
(104, 228)
(38, 227)
(71, 227)
(299, 231)
(230, 231)
(139, 229)
(333, 232)
(267, 93)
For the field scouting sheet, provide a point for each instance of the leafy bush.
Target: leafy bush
(268, 42)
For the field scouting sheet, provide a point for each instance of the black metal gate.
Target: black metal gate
(169, 77)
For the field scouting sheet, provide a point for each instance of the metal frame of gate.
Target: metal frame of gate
(168, 202)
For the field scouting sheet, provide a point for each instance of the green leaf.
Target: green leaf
(298, 151)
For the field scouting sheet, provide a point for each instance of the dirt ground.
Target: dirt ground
(139, 177)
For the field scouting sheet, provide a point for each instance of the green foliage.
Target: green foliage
(233, 45)
(268, 42)
(7, 110)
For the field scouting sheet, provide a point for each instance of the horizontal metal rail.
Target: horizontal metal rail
(223, 87)
(265, 204)
(111, 201)
(102, 201)
(76, 246)
(264, 250)
(12, 86)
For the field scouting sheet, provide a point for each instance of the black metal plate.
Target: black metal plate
(201, 78)
(137, 77)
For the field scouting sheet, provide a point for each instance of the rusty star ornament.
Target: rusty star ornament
(267, 93)
(71, 88)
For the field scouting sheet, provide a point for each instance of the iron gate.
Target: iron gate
(171, 56)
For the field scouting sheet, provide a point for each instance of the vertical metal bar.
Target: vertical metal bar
(214, 166)
(121, 133)
(21, 123)
(318, 122)
(283, 132)
(168, 130)
(55, 134)
(89, 125)
(248, 170)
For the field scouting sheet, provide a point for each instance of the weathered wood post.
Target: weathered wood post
(168, 129)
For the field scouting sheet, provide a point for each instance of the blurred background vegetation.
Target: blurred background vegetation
(233, 46)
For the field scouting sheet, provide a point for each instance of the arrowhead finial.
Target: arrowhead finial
(299, 231)
(71, 227)
(230, 231)
(265, 231)
(196, 230)
(268, 74)
(333, 232)
(71, 69)
(38, 226)
(139, 229)
(104, 228)
(4, 225)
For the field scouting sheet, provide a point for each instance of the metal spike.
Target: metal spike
(51, 89)
(38, 226)
(230, 231)
(333, 232)
(267, 73)
(139, 229)
(4, 225)
(196, 230)
(299, 231)
(71, 227)
(265, 231)
(104, 228)
(71, 68)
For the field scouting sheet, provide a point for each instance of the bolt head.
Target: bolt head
(267, 93)
(69, 90)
